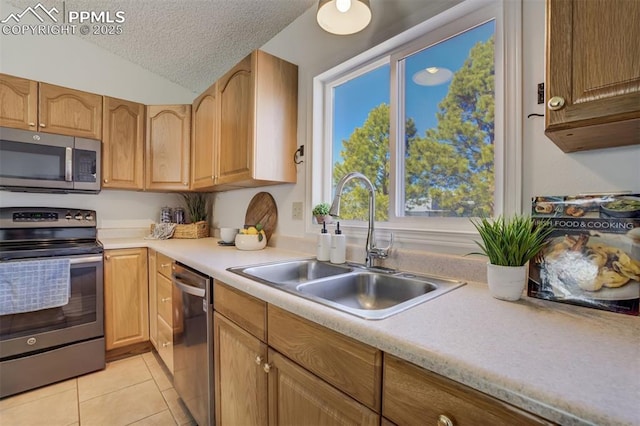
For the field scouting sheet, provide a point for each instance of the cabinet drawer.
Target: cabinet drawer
(413, 395)
(164, 264)
(163, 288)
(351, 366)
(245, 310)
(165, 343)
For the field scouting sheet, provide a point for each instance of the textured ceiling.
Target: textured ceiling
(190, 43)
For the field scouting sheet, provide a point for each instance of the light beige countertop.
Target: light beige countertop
(568, 364)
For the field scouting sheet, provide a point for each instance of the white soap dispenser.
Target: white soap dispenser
(323, 248)
(338, 247)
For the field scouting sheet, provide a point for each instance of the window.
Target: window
(425, 121)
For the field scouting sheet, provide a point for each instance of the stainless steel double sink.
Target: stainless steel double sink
(368, 293)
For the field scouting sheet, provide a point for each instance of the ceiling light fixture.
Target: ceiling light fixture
(343, 17)
(432, 76)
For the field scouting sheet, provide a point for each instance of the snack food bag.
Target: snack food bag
(592, 258)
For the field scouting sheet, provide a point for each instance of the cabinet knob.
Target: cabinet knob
(556, 103)
(106, 180)
(185, 183)
(444, 421)
(165, 299)
(165, 344)
(32, 124)
(42, 125)
(107, 257)
(266, 367)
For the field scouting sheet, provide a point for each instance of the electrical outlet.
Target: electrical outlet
(296, 210)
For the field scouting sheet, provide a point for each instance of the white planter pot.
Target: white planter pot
(507, 282)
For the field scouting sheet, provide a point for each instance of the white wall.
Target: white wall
(546, 169)
(73, 62)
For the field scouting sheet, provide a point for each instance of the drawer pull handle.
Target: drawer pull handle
(258, 360)
(444, 421)
(165, 265)
(165, 299)
(165, 344)
(42, 125)
(266, 367)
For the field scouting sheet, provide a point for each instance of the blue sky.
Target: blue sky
(355, 98)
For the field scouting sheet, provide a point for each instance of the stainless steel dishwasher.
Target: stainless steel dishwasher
(193, 341)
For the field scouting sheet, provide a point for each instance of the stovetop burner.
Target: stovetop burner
(29, 232)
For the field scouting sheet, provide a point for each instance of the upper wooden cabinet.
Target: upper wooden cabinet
(593, 73)
(204, 139)
(26, 104)
(18, 102)
(122, 144)
(258, 122)
(167, 147)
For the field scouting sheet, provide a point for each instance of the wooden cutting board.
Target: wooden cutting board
(262, 209)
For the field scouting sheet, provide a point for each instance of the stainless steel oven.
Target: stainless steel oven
(45, 345)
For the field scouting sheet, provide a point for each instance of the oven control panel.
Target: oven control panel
(34, 217)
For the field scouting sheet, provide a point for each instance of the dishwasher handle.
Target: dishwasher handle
(194, 291)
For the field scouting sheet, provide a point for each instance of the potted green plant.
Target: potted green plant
(321, 213)
(510, 244)
(196, 203)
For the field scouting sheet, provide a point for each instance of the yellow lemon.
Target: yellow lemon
(252, 231)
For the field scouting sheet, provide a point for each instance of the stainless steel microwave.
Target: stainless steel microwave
(43, 162)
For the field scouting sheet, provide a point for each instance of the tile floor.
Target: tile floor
(131, 391)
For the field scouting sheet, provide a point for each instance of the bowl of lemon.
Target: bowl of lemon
(251, 238)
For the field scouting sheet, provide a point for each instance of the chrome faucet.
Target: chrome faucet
(373, 252)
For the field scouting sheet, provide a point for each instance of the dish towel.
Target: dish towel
(32, 285)
(161, 231)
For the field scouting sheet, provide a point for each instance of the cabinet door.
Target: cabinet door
(204, 139)
(351, 366)
(153, 308)
(235, 90)
(69, 112)
(18, 102)
(126, 297)
(122, 144)
(593, 65)
(412, 395)
(297, 397)
(240, 379)
(167, 147)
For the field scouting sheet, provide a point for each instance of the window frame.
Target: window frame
(451, 235)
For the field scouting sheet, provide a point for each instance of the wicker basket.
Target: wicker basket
(190, 230)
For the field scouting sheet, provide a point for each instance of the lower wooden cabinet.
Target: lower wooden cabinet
(256, 385)
(297, 397)
(240, 380)
(161, 316)
(412, 395)
(126, 297)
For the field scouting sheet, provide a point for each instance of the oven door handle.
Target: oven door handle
(194, 291)
(79, 260)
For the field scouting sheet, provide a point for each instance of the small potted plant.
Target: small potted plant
(510, 244)
(197, 204)
(321, 213)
